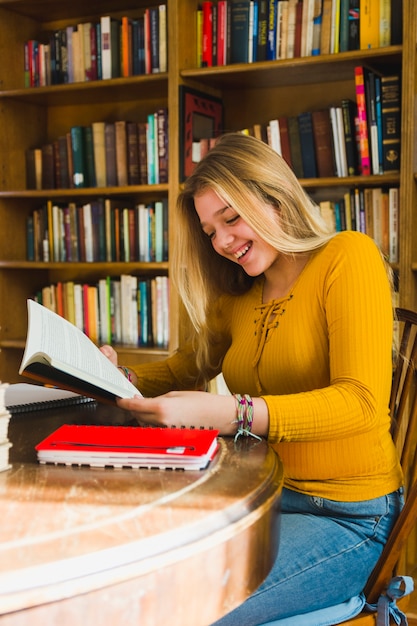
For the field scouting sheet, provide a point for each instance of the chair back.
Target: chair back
(403, 407)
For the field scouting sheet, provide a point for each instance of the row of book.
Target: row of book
(102, 230)
(125, 310)
(361, 137)
(103, 154)
(263, 30)
(98, 50)
(373, 210)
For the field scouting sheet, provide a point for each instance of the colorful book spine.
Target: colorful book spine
(365, 161)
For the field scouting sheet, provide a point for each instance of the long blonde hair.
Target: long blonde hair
(248, 175)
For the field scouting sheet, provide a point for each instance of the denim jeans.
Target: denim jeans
(327, 550)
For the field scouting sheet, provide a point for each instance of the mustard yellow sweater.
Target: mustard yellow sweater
(322, 360)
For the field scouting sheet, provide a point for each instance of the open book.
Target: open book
(59, 353)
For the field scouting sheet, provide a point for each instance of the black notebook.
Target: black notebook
(23, 397)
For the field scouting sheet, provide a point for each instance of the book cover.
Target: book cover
(292, 16)
(63, 179)
(110, 149)
(323, 143)
(271, 48)
(115, 28)
(207, 41)
(78, 156)
(154, 39)
(285, 139)
(353, 25)
(162, 140)
(99, 153)
(349, 114)
(48, 166)
(391, 122)
(369, 26)
(262, 37)
(308, 153)
(132, 153)
(106, 63)
(365, 161)
(121, 153)
(295, 144)
(143, 152)
(90, 170)
(163, 38)
(130, 446)
(222, 31)
(239, 33)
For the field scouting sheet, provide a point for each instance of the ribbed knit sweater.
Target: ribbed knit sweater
(321, 357)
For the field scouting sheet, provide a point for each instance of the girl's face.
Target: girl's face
(232, 237)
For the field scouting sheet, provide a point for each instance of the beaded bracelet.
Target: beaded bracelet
(244, 416)
(126, 372)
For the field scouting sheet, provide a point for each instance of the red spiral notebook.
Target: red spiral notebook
(129, 446)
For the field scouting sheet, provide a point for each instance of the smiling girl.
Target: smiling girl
(299, 321)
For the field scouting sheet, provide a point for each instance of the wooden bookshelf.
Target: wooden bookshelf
(267, 89)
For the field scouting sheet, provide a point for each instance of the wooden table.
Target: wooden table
(132, 547)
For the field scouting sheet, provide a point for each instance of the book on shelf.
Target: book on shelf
(98, 129)
(295, 146)
(129, 446)
(110, 154)
(391, 122)
(349, 115)
(365, 161)
(323, 143)
(239, 31)
(369, 24)
(58, 353)
(308, 153)
(285, 139)
(24, 397)
(121, 153)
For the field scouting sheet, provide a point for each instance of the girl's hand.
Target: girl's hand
(184, 408)
(110, 353)
(194, 408)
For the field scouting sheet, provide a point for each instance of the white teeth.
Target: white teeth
(239, 254)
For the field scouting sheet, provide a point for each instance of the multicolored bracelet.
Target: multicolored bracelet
(244, 416)
(126, 372)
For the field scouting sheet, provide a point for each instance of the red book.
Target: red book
(298, 29)
(129, 446)
(207, 54)
(365, 161)
(221, 32)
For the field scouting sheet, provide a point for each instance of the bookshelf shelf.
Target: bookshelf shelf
(87, 192)
(302, 70)
(92, 92)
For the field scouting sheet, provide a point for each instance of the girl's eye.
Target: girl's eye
(233, 219)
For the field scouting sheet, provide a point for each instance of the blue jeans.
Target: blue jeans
(327, 550)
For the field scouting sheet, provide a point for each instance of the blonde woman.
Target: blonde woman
(299, 321)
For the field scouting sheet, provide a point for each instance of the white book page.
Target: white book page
(68, 349)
